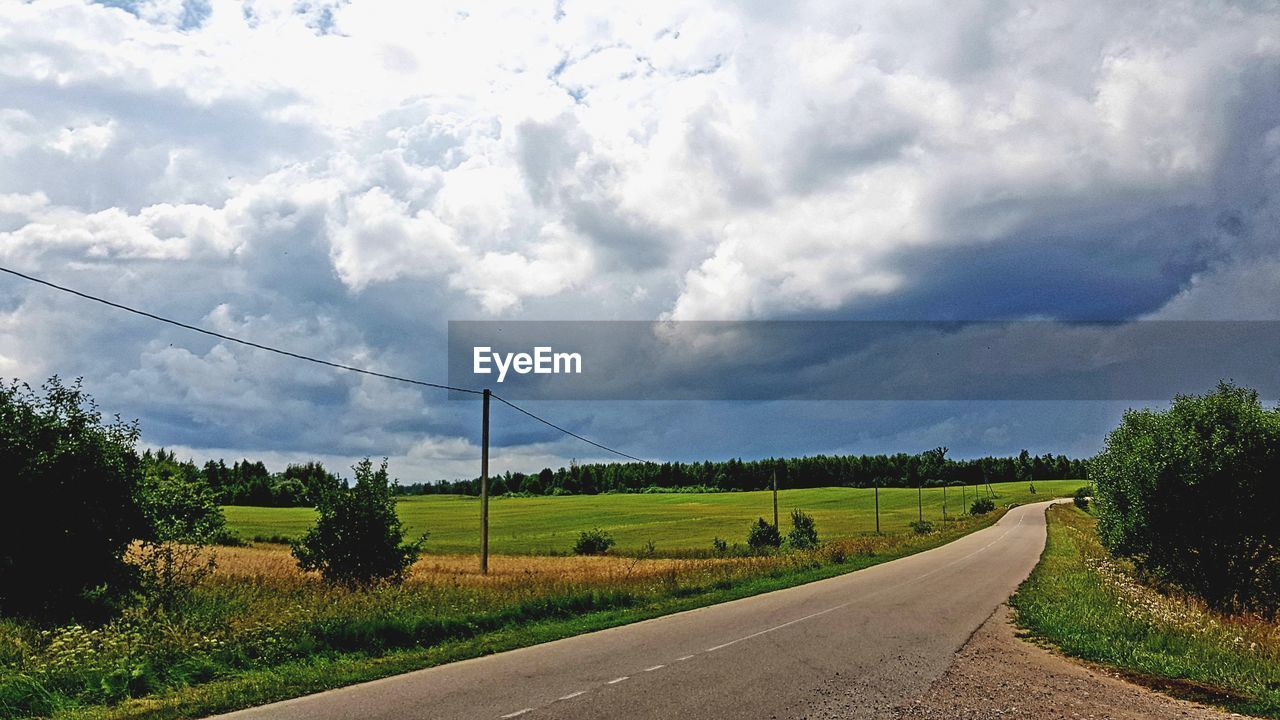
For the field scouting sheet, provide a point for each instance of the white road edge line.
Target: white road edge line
(517, 713)
(655, 667)
(571, 696)
(682, 659)
(615, 681)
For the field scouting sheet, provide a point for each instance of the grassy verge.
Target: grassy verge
(261, 631)
(1088, 604)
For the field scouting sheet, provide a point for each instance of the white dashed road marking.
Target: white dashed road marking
(615, 681)
(655, 667)
(571, 696)
(517, 713)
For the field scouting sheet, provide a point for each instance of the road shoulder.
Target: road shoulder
(998, 675)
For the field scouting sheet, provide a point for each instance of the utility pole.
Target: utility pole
(877, 480)
(775, 499)
(484, 487)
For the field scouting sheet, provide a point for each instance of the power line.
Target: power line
(566, 432)
(307, 358)
(229, 338)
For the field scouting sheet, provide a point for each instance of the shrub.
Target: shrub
(71, 485)
(180, 509)
(719, 546)
(982, 506)
(1192, 496)
(804, 532)
(358, 539)
(763, 536)
(922, 527)
(593, 542)
(1081, 498)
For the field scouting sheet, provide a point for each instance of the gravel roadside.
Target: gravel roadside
(997, 675)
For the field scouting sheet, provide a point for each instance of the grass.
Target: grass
(674, 523)
(259, 630)
(1091, 607)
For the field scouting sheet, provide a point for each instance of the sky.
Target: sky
(341, 179)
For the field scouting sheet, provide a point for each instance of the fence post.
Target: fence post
(877, 481)
(775, 499)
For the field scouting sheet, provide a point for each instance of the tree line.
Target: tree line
(930, 468)
(247, 482)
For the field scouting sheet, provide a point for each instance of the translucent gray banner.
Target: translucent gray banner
(861, 360)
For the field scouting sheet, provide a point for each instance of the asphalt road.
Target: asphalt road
(853, 646)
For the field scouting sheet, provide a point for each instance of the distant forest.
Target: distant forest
(250, 483)
(930, 468)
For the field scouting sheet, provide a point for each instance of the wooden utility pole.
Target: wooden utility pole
(484, 487)
(877, 480)
(775, 499)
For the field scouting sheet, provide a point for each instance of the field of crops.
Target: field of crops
(672, 522)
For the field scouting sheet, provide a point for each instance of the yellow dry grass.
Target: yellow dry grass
(269, 562)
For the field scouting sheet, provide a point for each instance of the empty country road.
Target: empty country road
(853, 646)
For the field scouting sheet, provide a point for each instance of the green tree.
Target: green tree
(804, 531)
(314, 480)
(71, 506)
(763, 535)
(1192, 495)
(177, 502)
(593, 542)
(358, 538)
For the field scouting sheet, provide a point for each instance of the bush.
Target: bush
(804, 532)
(922, 527)
(593, 542)
(719, 546)
(71, 486)
(1081, 498)
(1192, 496)
(763, 536)
(180, 509)
(358, 539)
(982, 506)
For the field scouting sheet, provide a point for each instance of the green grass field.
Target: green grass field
(672, 522)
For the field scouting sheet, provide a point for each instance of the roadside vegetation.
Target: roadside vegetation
(1094, 607)
(1175, 577)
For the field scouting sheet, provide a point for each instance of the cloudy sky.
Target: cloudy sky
(343, 178)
